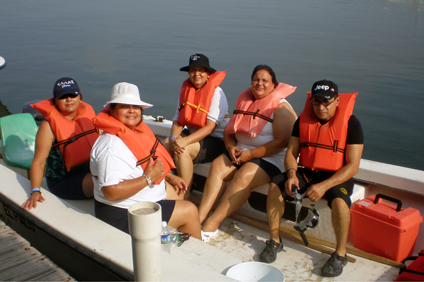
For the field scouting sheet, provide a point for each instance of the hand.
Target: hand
(32, 201)
(292, 181)
(315, 192)
(178, 145)
(234, 152)
(243, 157)
(177, 182)
(154, 171)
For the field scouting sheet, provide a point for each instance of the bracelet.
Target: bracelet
(36, 190)
(287, 171)
(172, 138)
(148, 179)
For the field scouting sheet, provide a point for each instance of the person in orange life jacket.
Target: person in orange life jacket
(255, 138)
(324, 171)
(67, 173)
(203, 109)
(129, 165)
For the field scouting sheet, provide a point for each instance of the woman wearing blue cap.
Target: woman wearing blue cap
(62, 145)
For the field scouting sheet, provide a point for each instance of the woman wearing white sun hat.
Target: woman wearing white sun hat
(129, 165)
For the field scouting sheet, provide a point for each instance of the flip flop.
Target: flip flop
(206, 236)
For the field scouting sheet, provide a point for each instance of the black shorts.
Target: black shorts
(308, 177)
(268, 167)
(210, 148)
(118, 217)
(69, 188)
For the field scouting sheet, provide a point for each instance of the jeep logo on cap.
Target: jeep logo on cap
(323, 87)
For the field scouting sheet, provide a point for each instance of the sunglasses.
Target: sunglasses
(68, 96)
(324, 103)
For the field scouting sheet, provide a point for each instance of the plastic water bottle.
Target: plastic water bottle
(165, 238)
(178, 238)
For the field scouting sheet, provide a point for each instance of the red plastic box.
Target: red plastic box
(385, 229)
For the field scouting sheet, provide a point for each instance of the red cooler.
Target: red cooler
(385, 229)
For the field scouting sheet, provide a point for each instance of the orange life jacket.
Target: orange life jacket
(142, 142)
(76, 137)
(251, 115)
(322, 147)
(195, 103)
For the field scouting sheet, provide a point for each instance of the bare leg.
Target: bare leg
(341, 219)
(185, 218)
(88, 186)
(245, 179)
(275, 209)
(221, 170)
(184, 164)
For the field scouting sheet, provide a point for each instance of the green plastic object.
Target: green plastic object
(18, 133)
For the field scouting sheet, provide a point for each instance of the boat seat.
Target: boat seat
(17, 133)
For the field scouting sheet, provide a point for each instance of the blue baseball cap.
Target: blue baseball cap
(65, 86)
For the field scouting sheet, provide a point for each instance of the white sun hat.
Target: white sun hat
(126, 93)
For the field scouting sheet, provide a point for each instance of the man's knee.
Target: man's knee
(339, 204)
(274, 191)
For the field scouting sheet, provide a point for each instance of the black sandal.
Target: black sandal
(269, 254)
(334, 265)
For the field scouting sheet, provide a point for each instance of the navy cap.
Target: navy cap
(65, 86)
(198, 60)
(325, 88)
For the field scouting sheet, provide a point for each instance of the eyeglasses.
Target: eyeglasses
(68, 95)
(324, 103)
(201, 71)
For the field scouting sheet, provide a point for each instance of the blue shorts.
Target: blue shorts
(118, 217)
(69, 188)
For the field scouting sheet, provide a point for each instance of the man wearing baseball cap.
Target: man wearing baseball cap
(329, 142)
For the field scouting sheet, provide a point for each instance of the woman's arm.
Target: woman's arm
(43, 145)
(129, 188)
(284, 118)
(180, 143)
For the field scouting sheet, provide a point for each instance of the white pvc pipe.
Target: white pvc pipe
(145, 236)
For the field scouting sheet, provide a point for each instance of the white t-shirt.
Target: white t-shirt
(245, 142)
(112, 162)
(217, 112)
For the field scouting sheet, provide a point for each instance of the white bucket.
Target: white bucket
(255, 271)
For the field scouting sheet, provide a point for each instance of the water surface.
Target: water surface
(373, 47)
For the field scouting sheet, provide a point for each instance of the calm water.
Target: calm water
(373, 47)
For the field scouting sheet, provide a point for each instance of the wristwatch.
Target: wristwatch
(149, 180)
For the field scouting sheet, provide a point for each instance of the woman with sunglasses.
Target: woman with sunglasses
(62, 145)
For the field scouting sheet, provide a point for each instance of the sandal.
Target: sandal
(269, 254)
(206, 236)
(334, 265)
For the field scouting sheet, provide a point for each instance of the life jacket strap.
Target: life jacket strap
(334, 148)
(151, 155)
(198, 108)
(74, 138)
(254, 114)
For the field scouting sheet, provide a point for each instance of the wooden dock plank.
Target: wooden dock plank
(20, 262)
